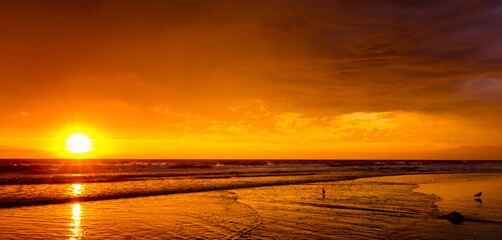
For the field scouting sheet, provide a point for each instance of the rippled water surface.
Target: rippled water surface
(283, 201)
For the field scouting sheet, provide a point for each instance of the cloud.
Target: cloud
(15, 152)
(483, 90)
(164, 68)
(490, 152)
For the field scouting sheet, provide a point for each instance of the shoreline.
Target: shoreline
(338, 176)
(364, 207)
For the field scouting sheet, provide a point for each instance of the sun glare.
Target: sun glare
(78, 143)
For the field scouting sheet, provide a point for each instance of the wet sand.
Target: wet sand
(483, 215)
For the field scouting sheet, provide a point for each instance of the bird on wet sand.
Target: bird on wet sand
(478, 195)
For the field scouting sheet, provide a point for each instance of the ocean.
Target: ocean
(248, 199)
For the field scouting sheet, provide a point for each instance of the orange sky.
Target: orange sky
(253, 79)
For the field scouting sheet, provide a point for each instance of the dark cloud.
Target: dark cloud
(369, 48)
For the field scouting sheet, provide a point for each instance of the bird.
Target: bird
(323, 192)
(478, 195)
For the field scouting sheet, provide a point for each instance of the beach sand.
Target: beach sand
(369, 208)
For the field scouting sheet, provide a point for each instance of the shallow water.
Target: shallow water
(459, 196)
(209, 215)
(484, 217)
(256, 203)
(350, 209)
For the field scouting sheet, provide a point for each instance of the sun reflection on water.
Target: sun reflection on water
(75, 228)
(76, 189)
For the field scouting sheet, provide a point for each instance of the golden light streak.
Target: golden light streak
(75, 227)
(76, 189)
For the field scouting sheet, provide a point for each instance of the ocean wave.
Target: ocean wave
(67, 171)
(131, 193)
(160, 177)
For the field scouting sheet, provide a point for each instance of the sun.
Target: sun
(78, 143)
